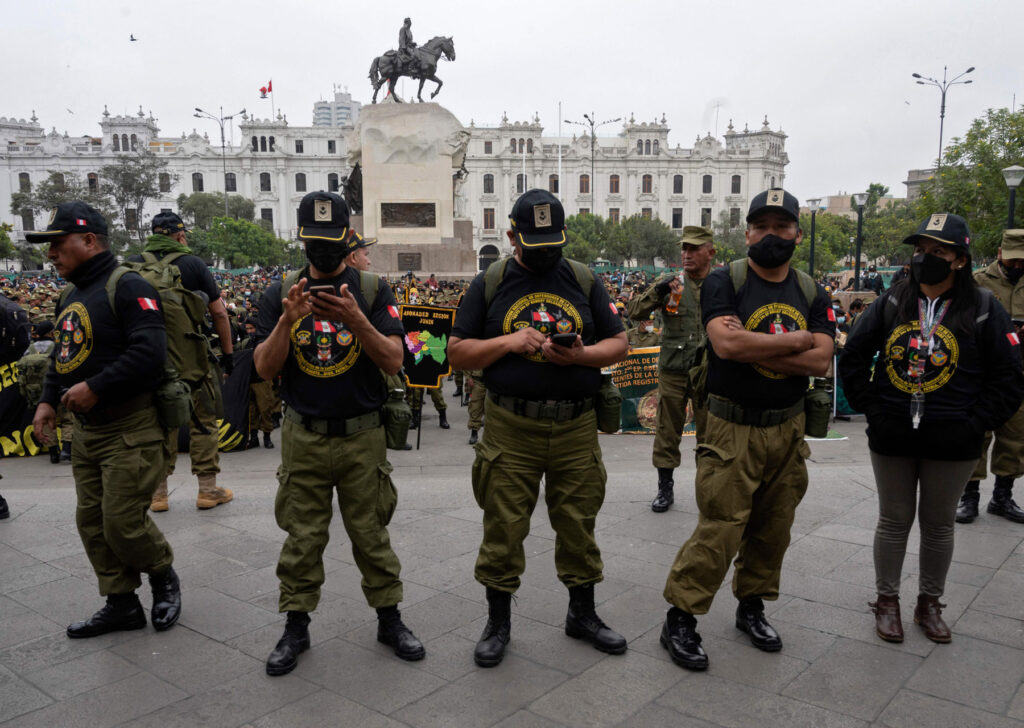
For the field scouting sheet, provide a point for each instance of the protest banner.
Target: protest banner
(427, 329)
(636, 376)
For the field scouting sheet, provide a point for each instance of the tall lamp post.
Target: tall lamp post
(593, 152)
(1014, 176)
(943, 87)
(813, 205)
(200, 114)
(859, 199)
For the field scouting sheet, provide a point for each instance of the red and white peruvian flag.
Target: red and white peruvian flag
(324, 326)
(393, 310)
(80, 222)
(615, 311)
(831, 314)
(1014, 339)
(148, 304)
(542, 317)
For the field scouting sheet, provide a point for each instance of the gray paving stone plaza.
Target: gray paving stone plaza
(208, 670)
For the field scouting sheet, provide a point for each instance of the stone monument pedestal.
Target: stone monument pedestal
(411, 157)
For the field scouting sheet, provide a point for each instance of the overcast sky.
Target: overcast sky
(836, 77)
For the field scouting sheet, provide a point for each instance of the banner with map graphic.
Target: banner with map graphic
(636, 376)
(427, 329)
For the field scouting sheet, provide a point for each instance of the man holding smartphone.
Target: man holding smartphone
(330, 330)
(540, 328)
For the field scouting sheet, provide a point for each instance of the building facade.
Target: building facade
(636, 172)
(343, 111)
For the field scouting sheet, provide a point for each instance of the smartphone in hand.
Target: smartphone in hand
(566, 340)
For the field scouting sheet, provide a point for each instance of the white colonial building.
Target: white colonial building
(636, 172)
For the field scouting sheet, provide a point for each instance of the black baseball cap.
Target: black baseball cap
(538, 219)
(357, 241)
(323, 216)
(774, 199)
(945, 227)
(67, 218)
(168, 223)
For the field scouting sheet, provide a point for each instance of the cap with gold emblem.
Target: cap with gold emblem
(945, 227)
(70, 217)
(774, 199)
(538, 220)
(323, 216)
(696, 235)
(1013, 245)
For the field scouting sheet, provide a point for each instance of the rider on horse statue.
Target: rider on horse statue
(406, 45)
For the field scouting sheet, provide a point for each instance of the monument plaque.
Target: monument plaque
(408, 214)
(410, 261)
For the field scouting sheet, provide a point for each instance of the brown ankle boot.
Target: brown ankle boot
(159, 502)
(210, 495)
(888, 624)
(928, 614)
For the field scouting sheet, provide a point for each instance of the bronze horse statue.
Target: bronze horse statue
(424, 64)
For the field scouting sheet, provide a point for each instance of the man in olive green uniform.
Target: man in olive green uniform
(643, 335)
(681, 335)
(766, 338)
(414, 396)
(476, 404)
(330, 329)
(1003, 278)
(102, 372)
(540, 330)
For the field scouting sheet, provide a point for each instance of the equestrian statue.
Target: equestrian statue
(412, 61)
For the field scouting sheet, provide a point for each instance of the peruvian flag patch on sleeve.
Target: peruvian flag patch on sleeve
(1014, 339)
(831, 314)
(615, 311)
(148, 304)
(393, 310)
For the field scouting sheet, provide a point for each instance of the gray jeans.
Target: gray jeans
(941, 483)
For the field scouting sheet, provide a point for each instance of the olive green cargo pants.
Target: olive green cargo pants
(476, 402)
(202, 448)
(511, 458)
(436, 396)
(749, 483)
(116, 468)
(312, 468)
(261, 407)
(1007, 453)
(674, 392)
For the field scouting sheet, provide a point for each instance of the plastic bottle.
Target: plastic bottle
(675, 297)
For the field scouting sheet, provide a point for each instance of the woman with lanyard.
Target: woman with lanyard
(948, 370)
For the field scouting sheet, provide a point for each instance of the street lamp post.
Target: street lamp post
(813, 205)
(859, 199)
(943, 87)
(1013, 175)
(593, 152)
(200, 114)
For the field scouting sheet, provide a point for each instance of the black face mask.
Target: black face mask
(1012, 274)
(541, 260)
(325, 255)
(771, 251)
(930, 269)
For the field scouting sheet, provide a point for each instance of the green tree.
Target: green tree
(131, 182)
(650, 239)
(970, 181)
(730, 241)
(200, 208)
(832, 235)
(6, 244)
(241, 243)
(59, 187)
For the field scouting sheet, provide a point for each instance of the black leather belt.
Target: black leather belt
(732, 412)
(99, 417)
(335, 426)
(557, 410)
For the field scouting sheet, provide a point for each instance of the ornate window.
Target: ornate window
(705, 217)
(553, 184)
(734, 217)
(164, 181)
(529, 146)
(117, 143)
(613, 184)
(197, 181)
(677, 184)
(655, 147)
(520, 183)
(230, 182)
(24, 182)
(647, 147)
(298, 146)
(488, 218)
(646, 213)
(263, 144)
(93, 181)
(264, 181)
(300, 182)
(677, 218)
(647, 184)
(736, 184)
(488, 148)
(613, 215)
(488, 184)
(255, 144)
(332, 182)
(706, 184)
(584, 184)
(639, 146)
(135, 143)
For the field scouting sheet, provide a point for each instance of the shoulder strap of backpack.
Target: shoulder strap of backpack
(738, 273)
(584, 276)
(148, 257)
(807, 286)
(493, 277)
(68, 288)
(111, 286)
(170, 257)
(368, 284)
(289, 280)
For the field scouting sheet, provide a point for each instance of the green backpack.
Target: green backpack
(738, 274)
(188, 350)
(31, 375)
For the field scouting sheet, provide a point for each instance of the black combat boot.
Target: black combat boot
(267, 442)
(458, 391)
(1002, 503)
(293, 643)
(442, 420)
(582, 622)
(498, 631)
(391, 631)
(967, 511)
(665, 497)
(473, 436)
(65, 453)
(414, 423)
(121, 612)
(54, 454)
(679, 636)
(750, 619)
(5, 512)
(166, 599)
(254, 440)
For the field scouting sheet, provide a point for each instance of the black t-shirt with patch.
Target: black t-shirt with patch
(551, 303)
(767, 308)
(327, 373)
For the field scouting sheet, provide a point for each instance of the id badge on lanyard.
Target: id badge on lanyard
(919, 350)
